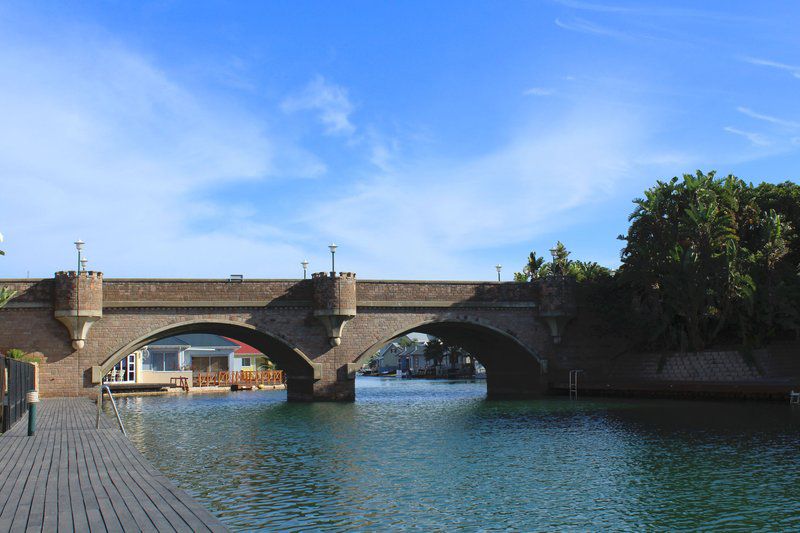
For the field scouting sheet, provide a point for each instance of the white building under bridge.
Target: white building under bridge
(182, 356)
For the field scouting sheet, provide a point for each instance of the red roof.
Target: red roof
(244, 349)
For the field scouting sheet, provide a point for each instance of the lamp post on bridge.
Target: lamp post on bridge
(499, 268)
(332, 247)
(78, 246)
(304, 262)
(83, 264)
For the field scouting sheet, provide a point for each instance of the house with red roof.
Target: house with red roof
(185, 355)
(248, 358)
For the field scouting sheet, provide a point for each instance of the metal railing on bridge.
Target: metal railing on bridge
(238, 377)
(16, 379)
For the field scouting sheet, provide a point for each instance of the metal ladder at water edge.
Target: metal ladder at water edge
(573, 383)
(103, 389)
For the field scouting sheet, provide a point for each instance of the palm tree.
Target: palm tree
(560, 265)
(435, 351)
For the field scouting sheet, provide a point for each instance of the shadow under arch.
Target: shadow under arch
(512, 368)
(300, 370)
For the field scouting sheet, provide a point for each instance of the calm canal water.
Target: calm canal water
(433, 455)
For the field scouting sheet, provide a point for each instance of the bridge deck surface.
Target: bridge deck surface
(72, 477)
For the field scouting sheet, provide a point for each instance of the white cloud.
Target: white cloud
(655, 11)
(99, 143)
(767, 118)
(794, 70)
(430, 216)
(331, 103)
(539, 91)
(595, 7)
(586, 26)
(756, 139)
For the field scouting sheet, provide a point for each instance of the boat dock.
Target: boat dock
(71, 476)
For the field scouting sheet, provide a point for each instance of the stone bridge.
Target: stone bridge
(318, 330)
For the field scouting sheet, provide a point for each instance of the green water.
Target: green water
(432, 455)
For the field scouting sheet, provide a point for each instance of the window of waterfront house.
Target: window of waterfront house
(246, 361)
(161, 361)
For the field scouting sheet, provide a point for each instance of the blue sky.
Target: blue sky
(429, 140)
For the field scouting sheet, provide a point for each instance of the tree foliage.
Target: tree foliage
(707, 256)
(561, 265)
(435, 351)
(706, 260)
(21, 355)
(405, 342)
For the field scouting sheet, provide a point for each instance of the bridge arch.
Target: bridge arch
(512, 367)
(300, 370)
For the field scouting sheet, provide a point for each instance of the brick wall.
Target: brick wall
(338, 293)
(453, 291)
(83, 291)
(31, 290)
(121, 290)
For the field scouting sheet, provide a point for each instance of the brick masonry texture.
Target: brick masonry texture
(334, 293)
(84, 291)
(498, 322)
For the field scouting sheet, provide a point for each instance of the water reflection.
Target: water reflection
(436, 455)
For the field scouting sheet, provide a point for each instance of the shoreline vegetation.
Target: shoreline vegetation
(706, 262)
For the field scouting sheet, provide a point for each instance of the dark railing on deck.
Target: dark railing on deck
(16, 379)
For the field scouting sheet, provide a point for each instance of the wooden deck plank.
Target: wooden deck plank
(50, 518)
(126, 480)
(73, 477)
(101, 494)
(17, 475)
(80, 517)
(158, 487)
(196, 517)
(20, 521)
(64, 513)
(36, 516)
(103, 516)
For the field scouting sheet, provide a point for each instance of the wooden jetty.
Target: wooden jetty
(72, 477)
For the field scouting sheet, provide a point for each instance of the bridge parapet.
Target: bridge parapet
(335, 302)
(30, 292)
(373, 292)
(78, 302)
(206, 292)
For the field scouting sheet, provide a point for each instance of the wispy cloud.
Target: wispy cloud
(592, 28)
(653, 11)
(588, 6)
(539, 91)
(791, 69)
(329, 100)
(99, 143)
(756, 139)
(767, 118)
(533, 184)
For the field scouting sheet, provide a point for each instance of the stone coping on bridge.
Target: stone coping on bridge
(266, 280)
(283, 293)
(296, 303)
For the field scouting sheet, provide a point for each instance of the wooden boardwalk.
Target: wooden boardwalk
(73, 477)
